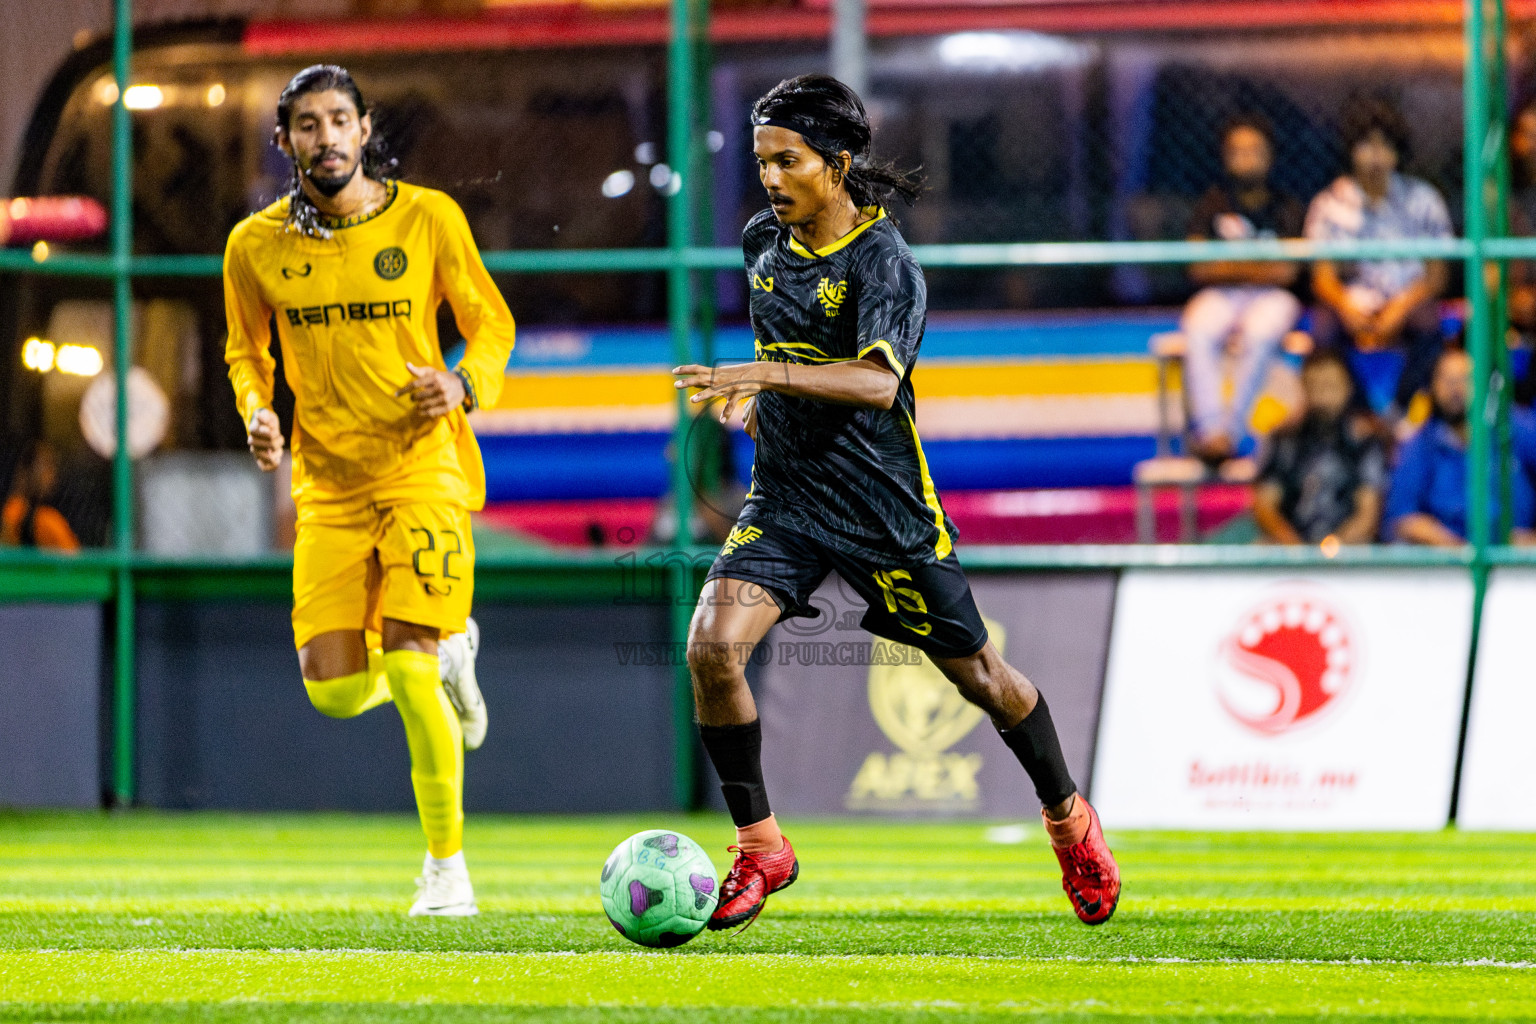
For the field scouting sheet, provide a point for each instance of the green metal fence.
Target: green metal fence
(120, 574)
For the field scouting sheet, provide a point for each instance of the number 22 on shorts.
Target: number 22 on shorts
(445, 566)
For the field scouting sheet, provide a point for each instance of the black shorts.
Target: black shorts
(927, 606)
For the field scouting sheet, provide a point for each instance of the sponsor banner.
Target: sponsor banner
(1498, 777)
(1270, 700)
(853, 724)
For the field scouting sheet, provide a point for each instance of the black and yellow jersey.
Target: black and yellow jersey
(852, 478)
(352, 310)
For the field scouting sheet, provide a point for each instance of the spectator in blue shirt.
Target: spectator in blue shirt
(1428, 500)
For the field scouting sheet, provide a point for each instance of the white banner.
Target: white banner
(1270, 700)
(1498, 777)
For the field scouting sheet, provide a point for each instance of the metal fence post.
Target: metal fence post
(1482, 155)
(681, 75)
(1498, 313)
(123, 690)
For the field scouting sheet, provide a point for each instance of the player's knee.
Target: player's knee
(712, 663)
(984, 681)
(338, 698)
(979, 687)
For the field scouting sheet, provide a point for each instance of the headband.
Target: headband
(807, 131)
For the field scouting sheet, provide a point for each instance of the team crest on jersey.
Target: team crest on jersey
(390, 263)
(831, 295)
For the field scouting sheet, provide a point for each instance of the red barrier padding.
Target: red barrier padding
(50, 219)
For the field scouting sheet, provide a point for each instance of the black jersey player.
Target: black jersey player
(840, 484)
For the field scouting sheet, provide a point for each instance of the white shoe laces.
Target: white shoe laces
(438, 887)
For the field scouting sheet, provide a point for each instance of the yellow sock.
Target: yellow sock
(348, 696)
(437, 747)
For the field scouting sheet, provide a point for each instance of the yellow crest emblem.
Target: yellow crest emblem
(738, 536)
(923, 714)
(831, 295)
(765, 283)
(917, 708)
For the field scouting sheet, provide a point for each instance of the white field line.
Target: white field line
(1511, 965)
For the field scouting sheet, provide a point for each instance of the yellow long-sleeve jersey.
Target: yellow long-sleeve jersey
(352, 310)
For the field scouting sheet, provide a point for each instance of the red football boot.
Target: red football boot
(1089, 873)
(752, 878)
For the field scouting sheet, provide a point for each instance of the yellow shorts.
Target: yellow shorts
(413, 563)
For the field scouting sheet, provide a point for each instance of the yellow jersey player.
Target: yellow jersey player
(352, 267)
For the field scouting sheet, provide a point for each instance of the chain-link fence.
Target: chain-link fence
(1022, 137)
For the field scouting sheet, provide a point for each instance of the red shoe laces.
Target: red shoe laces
(735, 883)
(1084, 862)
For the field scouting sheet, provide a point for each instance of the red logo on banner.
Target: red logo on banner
(1286, 660)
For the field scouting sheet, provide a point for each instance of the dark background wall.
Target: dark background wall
(224, 721)
(50, 705)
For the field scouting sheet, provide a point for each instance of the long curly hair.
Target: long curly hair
(303, 216)
(831, 118)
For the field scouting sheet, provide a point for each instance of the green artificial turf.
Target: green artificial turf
(167, 917)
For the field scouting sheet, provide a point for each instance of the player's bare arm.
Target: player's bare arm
(866, 382)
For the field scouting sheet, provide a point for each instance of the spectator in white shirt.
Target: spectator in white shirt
(1247, 303)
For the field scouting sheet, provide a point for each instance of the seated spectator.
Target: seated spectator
(1428, 500)
(1324, 477)
(26, 520)
(1248, 302)
(1375, 304)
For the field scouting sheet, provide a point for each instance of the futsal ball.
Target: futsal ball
(659, 888)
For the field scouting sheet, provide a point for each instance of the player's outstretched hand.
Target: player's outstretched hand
(435, 392)
(264, 436)
(736, 384)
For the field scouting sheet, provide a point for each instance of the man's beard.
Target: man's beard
(1453, 417)
(1319, 422)
(331, 186)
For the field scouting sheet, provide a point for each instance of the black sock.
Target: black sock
(1033, 741)
(737, 753)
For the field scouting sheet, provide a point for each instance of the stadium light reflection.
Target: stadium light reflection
(1011, 51)
(37, 354)
(216, 94)
(79, 360)
(143, 97)
(618, 184)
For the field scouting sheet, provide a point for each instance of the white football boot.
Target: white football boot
(456, 666)
(443, 890)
